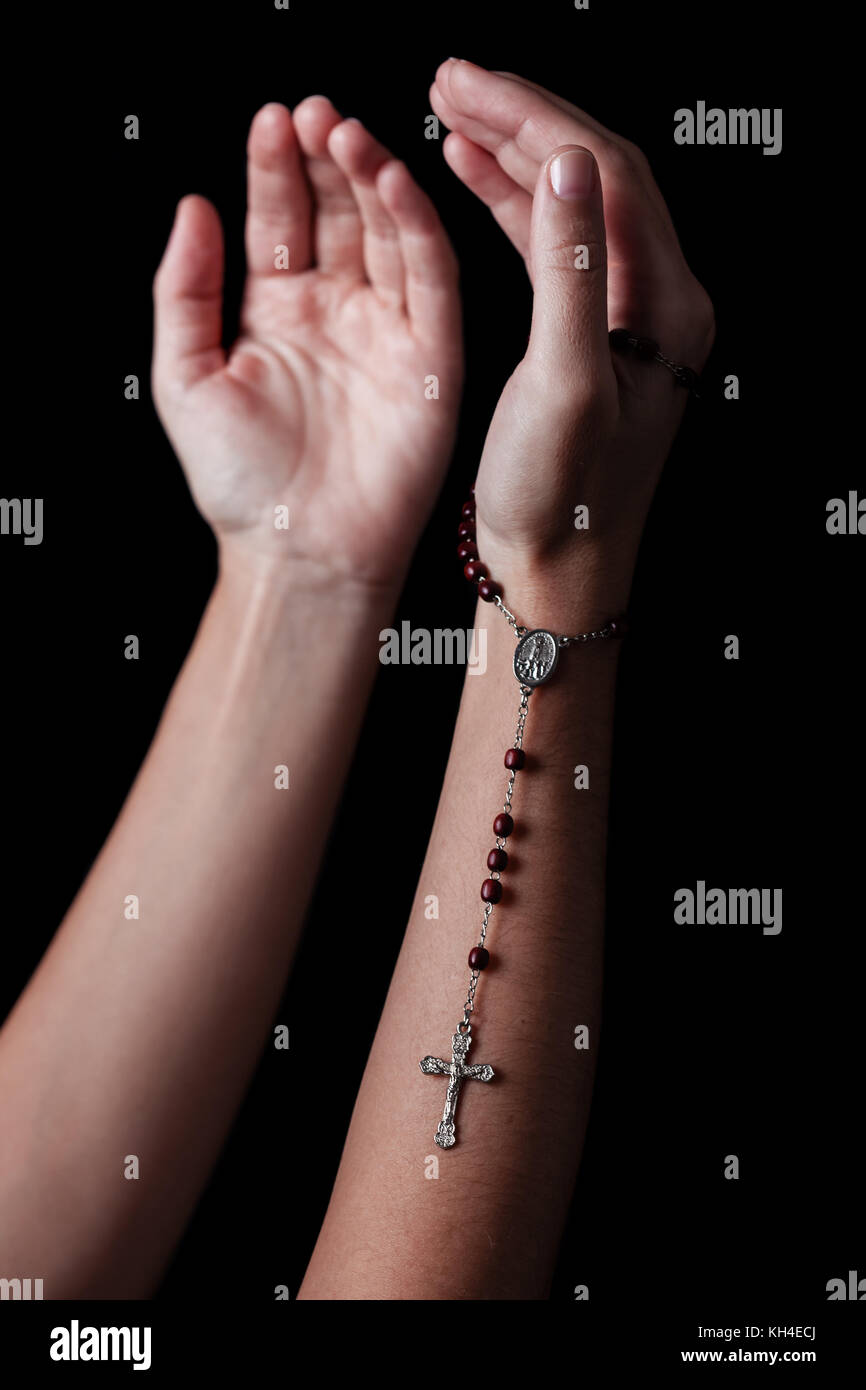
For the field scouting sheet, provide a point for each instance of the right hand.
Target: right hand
(320, 405)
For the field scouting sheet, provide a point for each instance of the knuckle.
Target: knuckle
(628, 159)
(634, 154)
(577, 390)
(705, 314)
(699, 318)
(578, 252)
(574, 398)
(684, 321)
(599, 400)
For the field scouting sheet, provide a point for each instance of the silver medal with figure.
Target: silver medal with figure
(535, 657)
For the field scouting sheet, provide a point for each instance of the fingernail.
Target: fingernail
(572, 174)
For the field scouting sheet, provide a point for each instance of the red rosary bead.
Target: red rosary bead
(515, 758)
(491, 890)
(488, 589)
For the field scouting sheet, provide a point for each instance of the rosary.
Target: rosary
(535, 659)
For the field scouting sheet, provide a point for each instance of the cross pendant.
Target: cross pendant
(458, 1072)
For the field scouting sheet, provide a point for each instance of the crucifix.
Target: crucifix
(458, 1071)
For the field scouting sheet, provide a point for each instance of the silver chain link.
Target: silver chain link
(525, 692)
(469, 1007)
(606, 631)
(521, 630)
(509, 617)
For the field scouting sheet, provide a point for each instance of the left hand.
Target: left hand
(576, 424)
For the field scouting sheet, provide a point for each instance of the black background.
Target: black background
(715, 1040)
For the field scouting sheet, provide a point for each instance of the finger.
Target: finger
(509, 203)
(337, 230)
(188, 290)
(482, 131)
(676, 303)
(569, 337)
(360, 157)
(530, 119)
(278, 197)
(520, 126)
(589, 125)
(430, 266)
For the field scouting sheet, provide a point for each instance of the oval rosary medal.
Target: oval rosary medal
(535, 657)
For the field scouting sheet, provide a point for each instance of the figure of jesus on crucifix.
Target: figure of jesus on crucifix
(458, 1071)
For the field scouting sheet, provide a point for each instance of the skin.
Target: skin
(320, 404)
(574, 424)
(139, 1036)
(294, 414)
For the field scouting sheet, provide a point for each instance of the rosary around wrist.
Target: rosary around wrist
(535, 659)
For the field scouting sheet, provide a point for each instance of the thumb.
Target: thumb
(187, 294)
(569, 270)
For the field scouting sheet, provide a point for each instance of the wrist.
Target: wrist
(295, 581)
(571, 588)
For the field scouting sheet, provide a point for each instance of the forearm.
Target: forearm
(488, 1227)
(138, 1033)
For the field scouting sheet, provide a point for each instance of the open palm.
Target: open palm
(338, 401)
